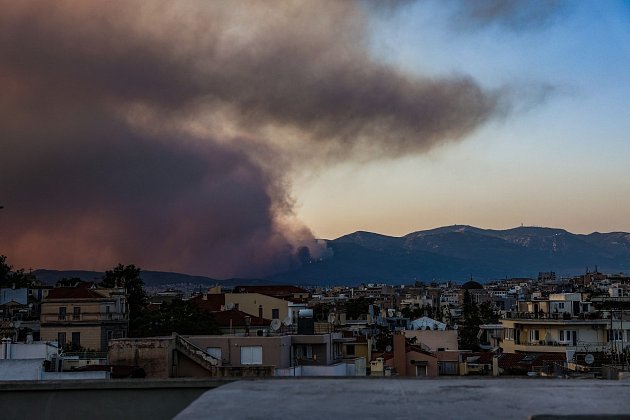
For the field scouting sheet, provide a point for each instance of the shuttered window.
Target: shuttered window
(251, 355)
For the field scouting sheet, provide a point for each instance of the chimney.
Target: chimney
(400, 354)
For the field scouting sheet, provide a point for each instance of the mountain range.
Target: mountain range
(459, 252)
(454, 253)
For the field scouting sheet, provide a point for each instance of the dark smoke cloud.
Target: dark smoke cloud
(163, 134)
(517, 15)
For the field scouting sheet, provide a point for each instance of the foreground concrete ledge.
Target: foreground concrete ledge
(395, 398)
(68, 385)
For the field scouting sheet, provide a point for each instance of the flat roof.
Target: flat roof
(410, 398)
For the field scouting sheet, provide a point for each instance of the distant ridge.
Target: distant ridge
(150, 278)
(445, 253)
(460, 251)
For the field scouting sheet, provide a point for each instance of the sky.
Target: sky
(224, 138)
(559, 157)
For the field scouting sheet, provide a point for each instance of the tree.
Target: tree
(128, 276)
(356, 308)
(322, 310)
(470, 327)
(178, 316)
(10, 278)
(488, 313)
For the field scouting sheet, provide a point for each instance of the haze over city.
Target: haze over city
(218, 138)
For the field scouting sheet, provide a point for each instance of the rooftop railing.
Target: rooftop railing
(556, 316)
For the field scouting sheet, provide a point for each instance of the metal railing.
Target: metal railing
(588, 316)
(83, 317)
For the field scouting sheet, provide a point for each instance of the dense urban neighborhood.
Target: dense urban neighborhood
(545, 326)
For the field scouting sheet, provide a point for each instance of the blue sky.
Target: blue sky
(559, 157)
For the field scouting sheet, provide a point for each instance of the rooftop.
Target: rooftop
(396, 398)
(316, 398)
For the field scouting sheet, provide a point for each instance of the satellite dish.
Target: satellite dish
(275, 324)
(589, 359)
(388, 349)
(287, 321)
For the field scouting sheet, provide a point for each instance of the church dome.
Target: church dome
(471, 285)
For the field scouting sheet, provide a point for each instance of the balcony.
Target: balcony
(82, 317)
(553, 316)
(558, 346)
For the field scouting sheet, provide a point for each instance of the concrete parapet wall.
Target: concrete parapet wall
(139, 399)
(160, 358)
(154, 355)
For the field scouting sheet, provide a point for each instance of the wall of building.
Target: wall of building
(276, 350)
(361, 349)
(21, 370)
(434, 339)
(112, 399)
(36, 350)
(251, 302)
(154, 355)
(90, 336)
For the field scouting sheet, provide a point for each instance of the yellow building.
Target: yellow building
(84, 317)
(264, 306)
(554, 335)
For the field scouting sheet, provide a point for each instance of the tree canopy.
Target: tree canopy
(178, 316)
(13, 278)
(470, 327)
(128, 276)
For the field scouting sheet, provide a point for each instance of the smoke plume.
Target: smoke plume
(164, 134)
(515, 15)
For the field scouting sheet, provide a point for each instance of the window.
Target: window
(350, 349)
(534, 336)
(275, 314)
(251, 355)
(76, 340)
(304, 351)
(615, 335)
(76, 314)
(337, 350)
(61, 339)
(509, 334)
(561, 305)
(110, 334)
(214, 352)
(62, 313)
(568, 337)
(447, 368)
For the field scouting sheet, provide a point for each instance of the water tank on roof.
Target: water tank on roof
(306, 323)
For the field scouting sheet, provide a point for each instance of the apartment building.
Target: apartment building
(84, 316)
(562, 323)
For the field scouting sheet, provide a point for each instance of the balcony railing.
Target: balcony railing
(84, 317)
(555, 316)
(586, 345)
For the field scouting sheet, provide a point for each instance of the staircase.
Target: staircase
(194, 353)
